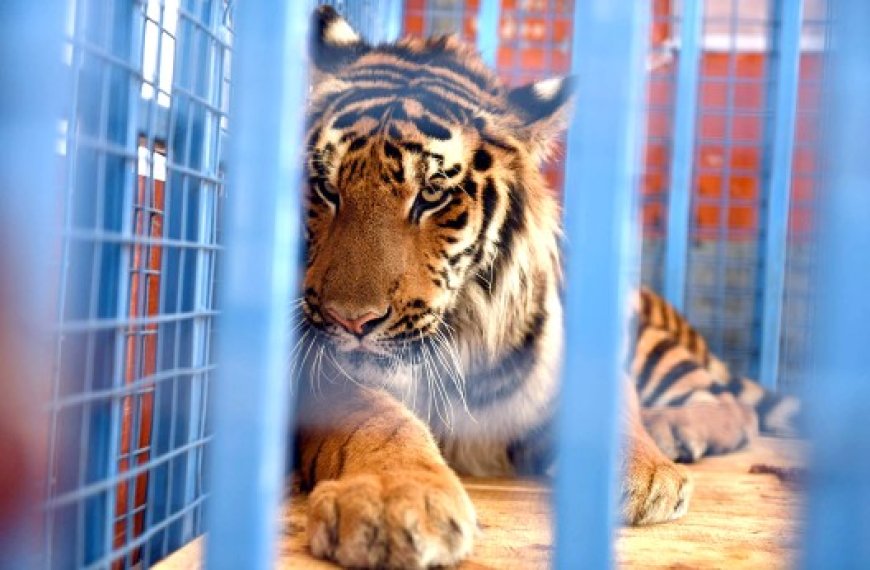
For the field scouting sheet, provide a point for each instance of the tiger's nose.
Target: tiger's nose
(360, 325)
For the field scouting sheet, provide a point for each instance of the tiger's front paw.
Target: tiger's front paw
(403, 519)
(654, 490)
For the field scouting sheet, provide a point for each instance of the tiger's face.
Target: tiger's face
(394, 223)
(418, 165)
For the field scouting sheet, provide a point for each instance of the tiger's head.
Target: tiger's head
(423, 184)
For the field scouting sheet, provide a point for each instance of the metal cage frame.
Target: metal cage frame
(141, 139)
(133, 274)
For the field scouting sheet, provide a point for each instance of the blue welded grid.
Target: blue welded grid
(522, 34)
(655, 179)
(517, 27)
(441, 16)
(134, 130)
(723, 284)
(726, 269)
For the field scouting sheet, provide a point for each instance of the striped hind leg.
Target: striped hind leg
(659, 321)
(687, 410)
(707, 427)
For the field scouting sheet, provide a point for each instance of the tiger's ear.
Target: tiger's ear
(333, 42)
(544, 107)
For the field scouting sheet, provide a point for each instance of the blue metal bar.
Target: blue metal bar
(33, 78)
(683, 152)
(120, 181)
(603, 151)
(789, 14)
(390, 27)
(838, 399)
(488, 16)
(105, 190)
(201, 68)
(251, 397)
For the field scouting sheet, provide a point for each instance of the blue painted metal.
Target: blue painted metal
(30, 46)
(488, 16)
(603, 151)
(789, 14)
(683, 152)
(838, 401)
(251, 399)
(391, 26)
(120, 183)
(109, 196)
(197, 64)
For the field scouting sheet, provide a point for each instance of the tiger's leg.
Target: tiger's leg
(654, 489)
(707, 427)
(687, 411)
(382, 494)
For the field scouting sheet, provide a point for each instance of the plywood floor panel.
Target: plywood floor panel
(736, 520)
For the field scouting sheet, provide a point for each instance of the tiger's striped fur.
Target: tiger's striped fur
(432, 330)
(695, 374)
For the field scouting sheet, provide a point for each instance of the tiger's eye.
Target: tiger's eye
(430, 194)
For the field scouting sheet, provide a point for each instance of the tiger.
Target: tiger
(431, 312)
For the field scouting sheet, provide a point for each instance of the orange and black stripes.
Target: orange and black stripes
(658, 313)
(672, 364)
(426, 205)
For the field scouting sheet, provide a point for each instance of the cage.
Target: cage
(141, 140)
(153, 338)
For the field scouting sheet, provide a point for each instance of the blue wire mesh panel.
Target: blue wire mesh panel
(728, 155)
(433, 17)
(724, 233)
(535, 44)
(141, 141)
(658, 159)
(535, 40)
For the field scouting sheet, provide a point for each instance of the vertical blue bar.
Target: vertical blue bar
(392, 22)
(118, 190)
(838, 399)
(33, 85)
(487, 30)
(251, 391)
(789, 14)
(683, 152)
(610, 39)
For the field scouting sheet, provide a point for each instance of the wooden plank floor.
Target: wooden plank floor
(736, 520)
